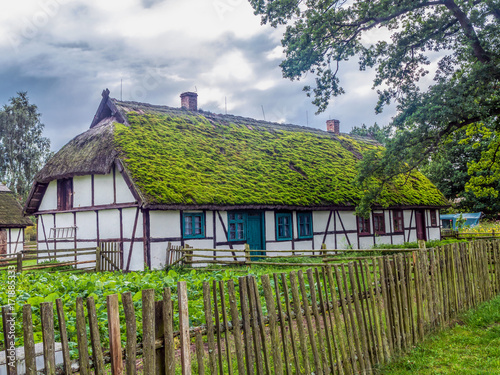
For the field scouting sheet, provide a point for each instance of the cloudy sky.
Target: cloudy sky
(65, 52)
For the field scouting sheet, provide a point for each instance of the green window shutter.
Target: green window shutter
(193, 225)
(304, 224)
(237, 224)
(283, 226)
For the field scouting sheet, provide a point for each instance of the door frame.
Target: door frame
(262, 230)
(420, 224)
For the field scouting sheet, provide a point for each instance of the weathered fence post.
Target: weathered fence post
(247, 255)
(49, 354)
(81, 332)
(29, 342)
(148, 331)
(64, 336)
(98, 259)
(95, 338)
(10, 352)
(115, 345)
(184, 328)
(19, 262)
(131, 326)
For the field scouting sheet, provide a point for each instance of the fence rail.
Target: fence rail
(342, 318)
(202, 257)
(450, 233)
(106, 257)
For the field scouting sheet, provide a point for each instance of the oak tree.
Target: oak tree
(460, 38)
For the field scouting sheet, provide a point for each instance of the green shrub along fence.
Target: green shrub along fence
(336, 319)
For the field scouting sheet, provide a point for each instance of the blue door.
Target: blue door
(255, 233)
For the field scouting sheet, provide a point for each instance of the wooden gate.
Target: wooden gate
(109, 257)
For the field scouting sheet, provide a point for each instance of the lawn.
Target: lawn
(471, 346)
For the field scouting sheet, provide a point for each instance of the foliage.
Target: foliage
(447, 169)
(380, 134)
(22, 145)
(414, 245)
(470, 347)
(484, 227)
(37, 287)
(461, 40)
(190, 160)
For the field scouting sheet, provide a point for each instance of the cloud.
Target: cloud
(65, 52)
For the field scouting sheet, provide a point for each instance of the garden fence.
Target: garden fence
(338, 319)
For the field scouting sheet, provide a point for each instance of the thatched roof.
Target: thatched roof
(178, 158)
(92, 152)
(11, 212)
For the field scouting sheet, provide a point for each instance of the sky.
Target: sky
(65, 52)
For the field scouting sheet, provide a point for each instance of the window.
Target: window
(65, 194)
(304, 224)
(397, 221)
(433, 218)
(237, 226)
(378, 223)
(194, 225)
(363, 225)
(283, 226)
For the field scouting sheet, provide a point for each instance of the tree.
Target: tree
(23, 148)
(448, 170)
(461, 38)
(380, 134)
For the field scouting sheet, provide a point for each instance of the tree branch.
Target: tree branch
(469, 31)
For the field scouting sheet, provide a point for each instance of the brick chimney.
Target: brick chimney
(189, 101)
(333, 126)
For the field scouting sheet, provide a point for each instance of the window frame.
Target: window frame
(362, 224)
(242, 221)
(193, 215)
(278, 216)
(309, 224)
(64, 194)
(397, 216)
(376, 216)
(433, 218)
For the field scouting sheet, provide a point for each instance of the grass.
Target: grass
(471, 346)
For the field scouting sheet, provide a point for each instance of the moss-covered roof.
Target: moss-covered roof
(200, 159)
(11, 212)
(92, 152)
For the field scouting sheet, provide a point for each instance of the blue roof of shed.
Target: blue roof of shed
(474, 215)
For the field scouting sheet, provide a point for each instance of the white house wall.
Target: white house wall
(82, 191)
(109, 213)
(104, 210)
(15, 240)
(103, 189)
(49, 201)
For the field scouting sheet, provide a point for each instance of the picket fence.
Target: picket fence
(337, 319)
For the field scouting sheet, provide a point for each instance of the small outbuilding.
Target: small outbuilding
(12, 222)
(449, 221)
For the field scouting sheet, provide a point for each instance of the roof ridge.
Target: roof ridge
(239, 120)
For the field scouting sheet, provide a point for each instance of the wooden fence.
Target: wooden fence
(106, 257)
(247, 257)
(339, 319)
(450, 233)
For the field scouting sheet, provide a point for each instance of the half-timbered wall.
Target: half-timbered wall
(12, 240)
(104, 209)
(336, 228)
